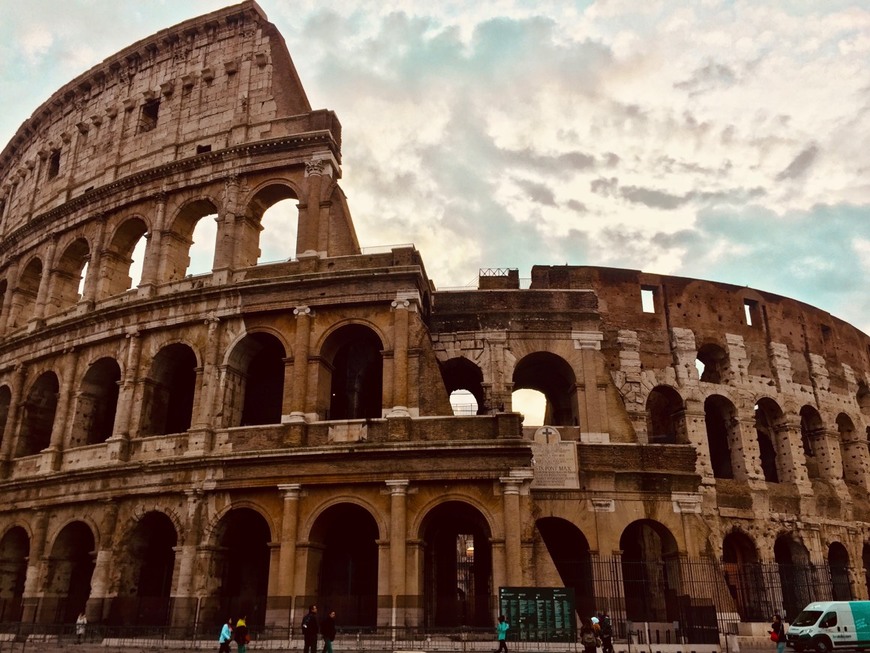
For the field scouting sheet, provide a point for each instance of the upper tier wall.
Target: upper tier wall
(204, 85)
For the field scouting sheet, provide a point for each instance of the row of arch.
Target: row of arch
(644, 582)
(821, 453)
(107, 257)
(254, 392)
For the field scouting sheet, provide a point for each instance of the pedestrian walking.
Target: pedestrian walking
(310, 630)
(328, 631)
(225, 637)
(240, 634)
(606, 632)
(501, 629)
(777, 633)
(81, 627)
(588, 638)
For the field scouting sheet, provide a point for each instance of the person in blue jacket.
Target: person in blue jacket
(501, 629)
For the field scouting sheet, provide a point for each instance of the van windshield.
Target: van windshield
(807, 618)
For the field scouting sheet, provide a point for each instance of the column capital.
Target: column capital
(397, 487)
(299, 311)
(291, 490)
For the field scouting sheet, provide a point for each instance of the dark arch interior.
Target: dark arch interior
(264, 380)
(38, 413)
(457, 567)
(348, 569)
(169, 404)
(650, 572)
(357, 374)
(664, 407)
(244, 562)
(462, 374)
(569, 551)
(70, 568)
(552, 376)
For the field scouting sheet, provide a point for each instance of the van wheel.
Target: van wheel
(822, 645)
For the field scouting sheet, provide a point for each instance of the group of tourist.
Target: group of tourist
(311, 628)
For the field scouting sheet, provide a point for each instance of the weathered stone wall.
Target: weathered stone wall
(232, 432)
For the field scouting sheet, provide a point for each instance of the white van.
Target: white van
(828, 625)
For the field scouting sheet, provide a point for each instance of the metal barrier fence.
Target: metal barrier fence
(695, 600)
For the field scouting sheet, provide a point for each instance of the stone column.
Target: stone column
(11, 278)
(44, 283)
(152, 266)
(210, 378)
(398, 538)
(62, 421)
(300, 365)
(226, 221)
(400, 356)
(309, 220)
(591, 399)
(97, 607)
(89, 292)
(289, 534)
(35, 566)
(10, 430)
(510, 488)
(120, 441)
(184, 591)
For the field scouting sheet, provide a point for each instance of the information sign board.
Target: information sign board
(539, 614)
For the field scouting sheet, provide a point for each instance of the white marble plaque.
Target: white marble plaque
(555, 462)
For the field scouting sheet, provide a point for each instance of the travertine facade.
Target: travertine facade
(264, 436)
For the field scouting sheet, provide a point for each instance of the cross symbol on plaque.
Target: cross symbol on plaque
(547, 431)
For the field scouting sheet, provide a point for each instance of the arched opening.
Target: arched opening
(168, 403)
(4, 288)
(464, 381)
(145, 564)
(569, 551)
(278, 237)
(96, 403)
(124, 258)
(68, 276)
(854, 450)
(744, 577)
(863, 399)
(713, 364)
(665, 420)
(650, 572)
(457, 567)
(531, 404)
(191, 248)
(463, 403)
(554, 378)
(5, 401)
(346, 563)
(838, 563)
(24, 297)
(720, 417)
(796, 574)
(812, 438)
(255, 381)
(242, 564)
(68, 578)
(37, 416)
(768, 425)
(14, 553)
(279, 227)
(352, 355)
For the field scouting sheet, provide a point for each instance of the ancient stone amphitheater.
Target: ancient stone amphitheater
(177, 448)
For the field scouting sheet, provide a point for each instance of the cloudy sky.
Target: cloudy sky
(719, 140)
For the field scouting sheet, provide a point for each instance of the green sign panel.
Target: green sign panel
(539, 614)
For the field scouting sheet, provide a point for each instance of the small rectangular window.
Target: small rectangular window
(2, 207)
(648, 299)
(826, 333)
(148, 116)
(202, 149)
(750, 312)
(54, 164)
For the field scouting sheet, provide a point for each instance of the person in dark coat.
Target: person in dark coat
(327, 629)
(310, 630)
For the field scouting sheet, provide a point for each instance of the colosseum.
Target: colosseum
(180, 447)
